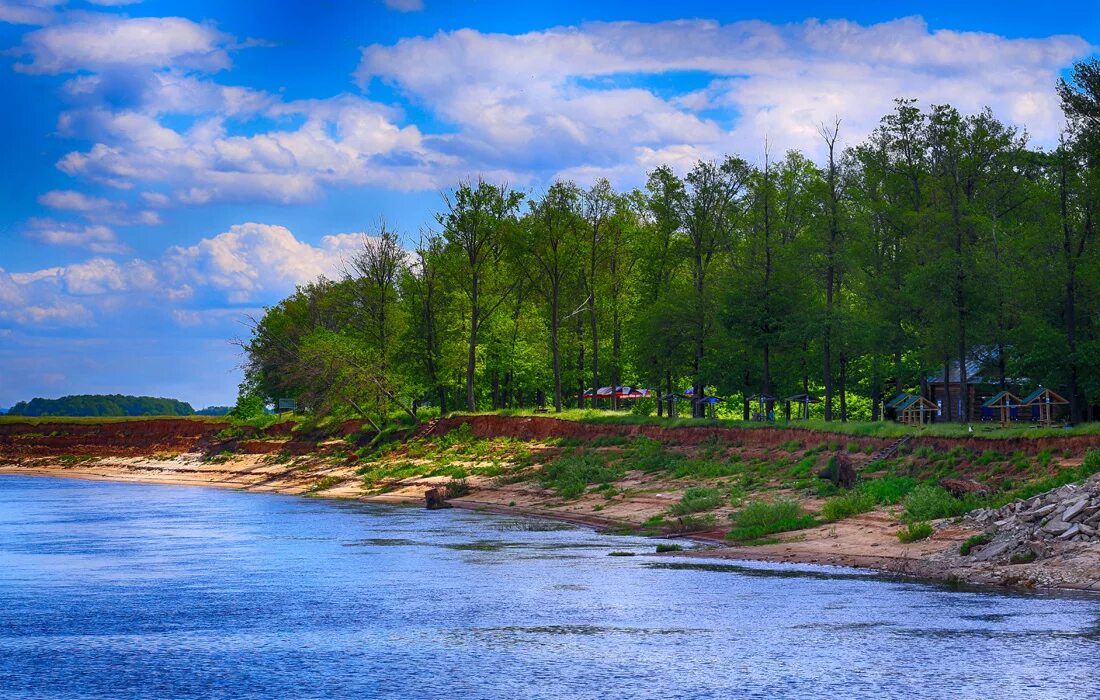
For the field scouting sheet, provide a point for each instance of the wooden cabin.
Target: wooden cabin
(914, 410)
(948, 396)
(1004, 405)
(1044, 403)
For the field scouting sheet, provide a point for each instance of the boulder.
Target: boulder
(436, 498)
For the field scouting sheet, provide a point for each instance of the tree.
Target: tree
(476, 225)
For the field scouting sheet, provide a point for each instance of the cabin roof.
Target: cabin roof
(916, 403)
(803, 398)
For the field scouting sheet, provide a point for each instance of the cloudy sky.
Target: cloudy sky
(171, 167)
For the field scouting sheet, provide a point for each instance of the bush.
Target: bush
(760, 518)
(914, 532)
(661, 548)
(931, 503)
(570, 474)
(649, 456)
(847, 505)
(457, 488)
(888, 490)
(697, 499)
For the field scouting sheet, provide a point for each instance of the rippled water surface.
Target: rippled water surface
(134, 591)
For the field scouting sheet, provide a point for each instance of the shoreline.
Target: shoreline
(833, 545)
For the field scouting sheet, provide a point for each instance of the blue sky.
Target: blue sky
(172, 167)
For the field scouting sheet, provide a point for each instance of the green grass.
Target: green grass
(927, 502)
(846, 505)
(704, 469)
(888, 490)
(323, 484)
(662, 548)
(760, 518)
(570, 474)
(696, 500)
(863, 429)
(914, 532)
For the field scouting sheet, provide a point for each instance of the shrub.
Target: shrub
(324, 484)
(847, 505)
(704, 469)
(457, 488)
(570, 474)
(649, 456)
(697, 499)
(974, 541)
(914, 532)
(888, 490)
(930, 503)
(661, 548)
(760, 518)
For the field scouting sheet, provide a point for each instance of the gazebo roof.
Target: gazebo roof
(803, 398)
(1038, 395)
(898, 400)
(1001, 398)
(918, 403)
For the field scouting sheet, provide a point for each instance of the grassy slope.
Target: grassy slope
(868, 429)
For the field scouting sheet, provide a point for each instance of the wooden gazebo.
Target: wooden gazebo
(803, 401)
(914, 410)
(1003, 403)
(766, 402)
(1043, 402)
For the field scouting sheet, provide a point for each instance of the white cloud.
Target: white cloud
(583, 99)
(97, 42)
(201, 284)
(27, 11)
(72, 200)
(96, 238)
(405, 5)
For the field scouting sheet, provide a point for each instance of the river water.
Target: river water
(112, 590)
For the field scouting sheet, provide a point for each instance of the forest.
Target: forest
(941, 238)
(102, 405)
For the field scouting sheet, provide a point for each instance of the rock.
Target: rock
(840, 471)
(1070, 532)
(1056, 526)
(1040, 512)
(962, 487)
(995, 549)
(1075, 509)
(436, 498)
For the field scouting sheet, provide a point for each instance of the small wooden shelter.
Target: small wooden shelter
(1004, 404)
(803, 401)
(914, 410)
(1043, 402)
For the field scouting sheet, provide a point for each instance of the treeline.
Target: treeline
(102, 405)
(943, 237)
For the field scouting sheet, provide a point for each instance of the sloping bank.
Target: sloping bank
(502, 473)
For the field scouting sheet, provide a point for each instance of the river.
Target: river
(118, 590)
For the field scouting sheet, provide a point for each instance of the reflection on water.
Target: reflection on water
(134, 591)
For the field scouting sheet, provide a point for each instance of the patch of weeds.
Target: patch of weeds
(927, 502)
(914, 532)
(456, 488)
(847, 505)
(620, 554)
(608, 441)
(323, 484)
(69, 460)
(804, 467)
(697, 499)
(791, 446)
(598, 507)
(1023, 557)
(662, 548)
(974, 541)
(570, 474)
(649, 456)
(825, 488)
(704, 469)
(760, 518)
(219, 458)
(853, 447)
(888, 490)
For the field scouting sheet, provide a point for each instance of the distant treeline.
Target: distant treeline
(103, 405)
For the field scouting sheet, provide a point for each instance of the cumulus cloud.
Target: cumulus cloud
(27, 11)
(96, 238)
(251, 263)
(581, 99)
(100, 42)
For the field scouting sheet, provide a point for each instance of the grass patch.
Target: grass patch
(662, 548)
(888, 490)
(324, 484)
(846, 505)
(570, 474)
(914, 532)
(620, 554)
(760, 518)
(697, 499)
(927, 502)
